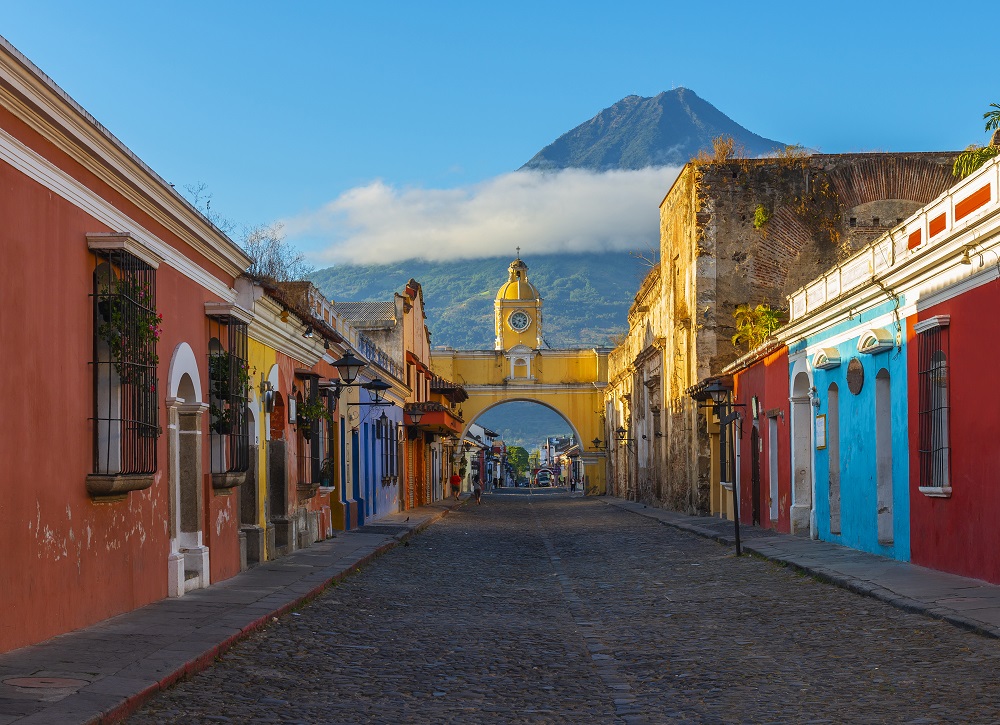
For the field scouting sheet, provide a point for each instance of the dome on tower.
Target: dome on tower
(518, 287)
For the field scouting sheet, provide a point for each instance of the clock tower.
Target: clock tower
(518, 311)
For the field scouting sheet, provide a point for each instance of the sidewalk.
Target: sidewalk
(968, 603)
(101, 673)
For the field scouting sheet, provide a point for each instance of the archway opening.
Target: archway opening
(540, 447)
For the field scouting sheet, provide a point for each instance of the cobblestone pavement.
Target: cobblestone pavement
(541, 609)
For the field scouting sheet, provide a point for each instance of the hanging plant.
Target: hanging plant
(130, 325)
(307, 413)
(310, 411)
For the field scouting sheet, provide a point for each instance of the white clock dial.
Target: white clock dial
(518, 321)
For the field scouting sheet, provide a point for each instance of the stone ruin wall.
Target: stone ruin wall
(822, 208)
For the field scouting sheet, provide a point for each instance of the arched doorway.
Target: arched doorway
(250, 528)
(188, 561)
(755, 474)
(277, 481)
(802, 455)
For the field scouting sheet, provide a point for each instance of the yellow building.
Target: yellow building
(521, 367)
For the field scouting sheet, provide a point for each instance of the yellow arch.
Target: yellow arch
(569, 382)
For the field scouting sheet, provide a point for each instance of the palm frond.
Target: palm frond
(992, 117)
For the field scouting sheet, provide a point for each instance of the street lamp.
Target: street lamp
(597, 445)
(720, 400)
(376, 388)
(623, 436)
(348, 368)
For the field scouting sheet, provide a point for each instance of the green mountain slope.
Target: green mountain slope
(666, 130)
(586, 296)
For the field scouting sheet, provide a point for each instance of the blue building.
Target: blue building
(848, 382)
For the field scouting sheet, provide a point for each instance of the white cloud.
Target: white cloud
(572, 210)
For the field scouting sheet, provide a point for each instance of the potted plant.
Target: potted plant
(326, 471)
(309, 412)
(229, 378)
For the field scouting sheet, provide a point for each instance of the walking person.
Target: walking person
(456, 484)
(477, 489)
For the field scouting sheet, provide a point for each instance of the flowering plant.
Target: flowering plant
(130, 325)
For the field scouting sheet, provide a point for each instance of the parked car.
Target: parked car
(543, 479)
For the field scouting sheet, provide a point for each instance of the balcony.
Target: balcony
(436, 418)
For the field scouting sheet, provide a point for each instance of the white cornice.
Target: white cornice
(32, 97)
(269, 330)
(54, 179)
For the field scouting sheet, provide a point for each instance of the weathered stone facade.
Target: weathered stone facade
(735, 232)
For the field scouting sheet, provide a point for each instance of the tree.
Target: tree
(975, 155)
(755, 324)
(518, 458)
(272, 256)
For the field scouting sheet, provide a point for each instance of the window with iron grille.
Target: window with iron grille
(935, 451)
(126, 329)
(310, 421)
(229, 383)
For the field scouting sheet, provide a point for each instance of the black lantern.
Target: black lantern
(717, 391)
(377, 388)
(415, 415)
(349, 366)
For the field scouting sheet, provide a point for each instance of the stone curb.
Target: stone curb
(826, 575)
(133, 702)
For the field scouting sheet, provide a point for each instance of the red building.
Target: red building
(762, 437)
(953, 426)
(104, 323)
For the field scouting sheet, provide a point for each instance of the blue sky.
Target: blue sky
(326, 114)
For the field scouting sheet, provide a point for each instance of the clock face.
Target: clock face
(518, 321)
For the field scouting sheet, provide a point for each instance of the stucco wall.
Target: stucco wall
(857, 441)
(714, 259)
(959, 534)
(767, 379)
(53, 529)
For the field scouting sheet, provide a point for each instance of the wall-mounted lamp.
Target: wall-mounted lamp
(599, 445)
(975, 249)
(623, 437)
(308, 332)
(326, 344)
(348, 368)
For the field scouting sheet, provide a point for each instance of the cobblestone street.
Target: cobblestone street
(550, 608)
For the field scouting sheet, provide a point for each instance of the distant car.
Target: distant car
(543, 479)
